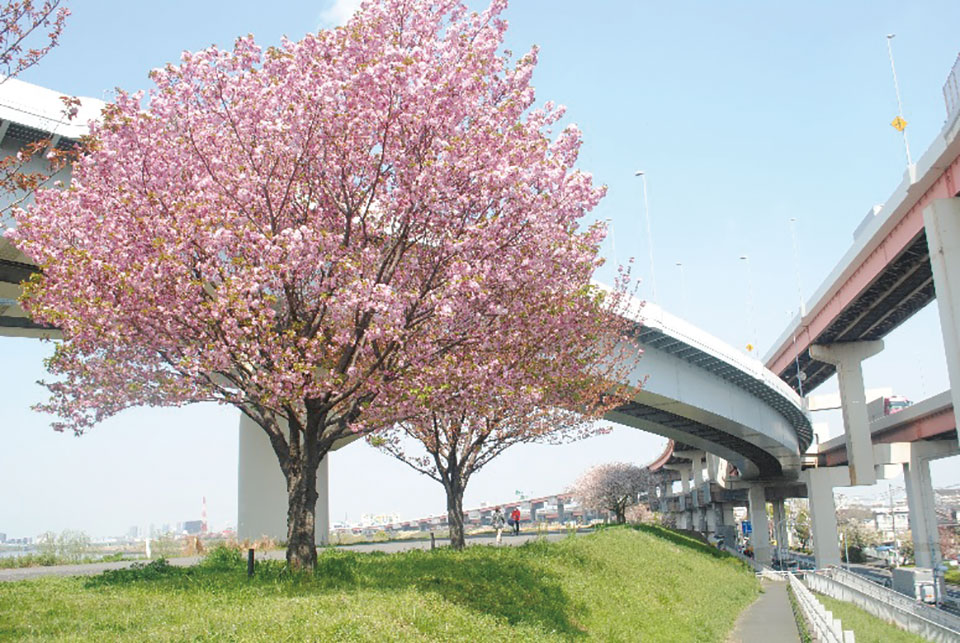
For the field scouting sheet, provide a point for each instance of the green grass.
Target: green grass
(952, 576)
(866, 627)
(617, 585)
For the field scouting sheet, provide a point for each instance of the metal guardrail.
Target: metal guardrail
(893, 598)
(918, 618)
(951, 91)
(825, 627)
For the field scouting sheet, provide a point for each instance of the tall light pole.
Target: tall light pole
(796, 264)
(899, 122)
(683, 288)
(751, 322)
(646, 211)
(613, 245)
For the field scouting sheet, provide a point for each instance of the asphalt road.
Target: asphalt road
(91, 569)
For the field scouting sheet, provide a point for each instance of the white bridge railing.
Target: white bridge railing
(926, 621)
(825, 627)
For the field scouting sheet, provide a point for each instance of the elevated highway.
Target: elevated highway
(884, 278)
(693, 388)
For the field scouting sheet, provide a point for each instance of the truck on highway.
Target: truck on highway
(888, 405)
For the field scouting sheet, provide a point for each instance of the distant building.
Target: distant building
(3, 537)
(890, 527)
(133, 532)
(193, 527)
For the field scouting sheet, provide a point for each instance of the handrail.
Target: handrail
(825, 627)
(892, 598)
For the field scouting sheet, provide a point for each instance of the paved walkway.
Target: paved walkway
(91, 569)
(770, 618)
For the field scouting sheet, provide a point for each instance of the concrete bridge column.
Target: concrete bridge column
(262, 489)
(780, 525)
(697, 464)
(726, 514)
(760, 536)
(847, 357)
(941, 220)
(923, 511)
(664, 493)
(712, 510)
(823, 512)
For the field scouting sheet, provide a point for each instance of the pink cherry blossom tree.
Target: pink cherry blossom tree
(542, 377)
(309, 232)
(20, 24)
(545, 375)
(612, 487)
(21, 47)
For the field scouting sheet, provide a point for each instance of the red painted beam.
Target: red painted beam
(910, 225)
(923, 428)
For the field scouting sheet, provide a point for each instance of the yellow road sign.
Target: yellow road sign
(899, 124)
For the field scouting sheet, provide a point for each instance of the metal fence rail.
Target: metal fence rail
(951, 91)
(895, 599)
(825, 627)
(915, 617)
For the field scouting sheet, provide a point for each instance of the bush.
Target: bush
(223, 558)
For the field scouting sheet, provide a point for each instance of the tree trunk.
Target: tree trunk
(455, 515)
(301, 517)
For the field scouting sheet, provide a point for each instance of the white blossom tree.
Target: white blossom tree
(612, 487)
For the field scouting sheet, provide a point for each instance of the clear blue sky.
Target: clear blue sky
(743, 115)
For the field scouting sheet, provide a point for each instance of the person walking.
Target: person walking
(515, 519)
(498, 522)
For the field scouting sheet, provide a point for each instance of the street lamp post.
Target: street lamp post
(750, 317)
(896, 86)
(646, 211)
(683, 288)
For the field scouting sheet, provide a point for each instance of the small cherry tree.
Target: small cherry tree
(307, 232)
(542, 377)
(612, 487)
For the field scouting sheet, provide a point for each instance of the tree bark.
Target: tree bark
(301, 516)
(455, 515)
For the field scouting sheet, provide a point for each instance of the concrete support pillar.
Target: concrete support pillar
(726, 514)
(697, 464)
(780, 525)
(262, 489)
(847, 357)
(923, 511)
(711, 526)
(941, 220)
(823, 513)
(760, 536)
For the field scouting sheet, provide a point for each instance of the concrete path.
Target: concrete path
(770, 618)
(91, 569)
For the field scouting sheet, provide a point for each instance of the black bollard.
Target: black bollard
(433, 541)
(250, 563)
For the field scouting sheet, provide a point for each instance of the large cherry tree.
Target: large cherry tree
(22, 45)
(306, 232)
(545, 375)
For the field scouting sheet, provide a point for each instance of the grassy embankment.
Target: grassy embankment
(866, 627)
(952, 576)
(619, 584)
